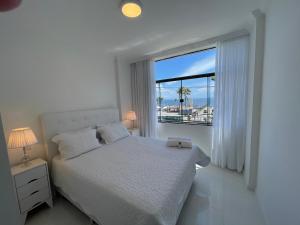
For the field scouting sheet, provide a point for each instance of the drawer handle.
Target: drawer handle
(32, 181)
(34, 193)
(36, 204)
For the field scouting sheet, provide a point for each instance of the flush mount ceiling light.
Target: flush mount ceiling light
(131, 8)
(7, 5)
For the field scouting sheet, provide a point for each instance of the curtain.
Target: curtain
(143, 97)
(230, 114)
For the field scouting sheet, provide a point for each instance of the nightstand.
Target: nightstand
(134, 131)
(32, 185)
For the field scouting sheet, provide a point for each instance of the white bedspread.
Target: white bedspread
(135, 181)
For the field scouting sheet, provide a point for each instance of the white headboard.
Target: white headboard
(54, 123)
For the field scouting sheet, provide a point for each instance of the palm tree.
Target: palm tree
(159, 100)
(184, 91)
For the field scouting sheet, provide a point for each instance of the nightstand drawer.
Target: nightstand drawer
(34, 200)
(29, 189)
(30, 176)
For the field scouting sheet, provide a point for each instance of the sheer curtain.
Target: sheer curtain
(143, 96)
(229, 131)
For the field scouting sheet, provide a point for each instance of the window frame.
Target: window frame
(197, 76)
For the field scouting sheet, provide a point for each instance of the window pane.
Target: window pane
(168, 104)
(201, 62)
(185, 88)
(195, 104)
(210, 98)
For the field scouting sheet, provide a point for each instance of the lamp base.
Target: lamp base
(26, 164)
(26, 161)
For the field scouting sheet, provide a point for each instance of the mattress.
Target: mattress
(134, 181)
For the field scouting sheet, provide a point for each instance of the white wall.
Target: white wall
(124, 82)
(9, 209)
(52, 58)
(279, 165)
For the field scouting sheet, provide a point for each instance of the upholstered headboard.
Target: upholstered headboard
(54, 123)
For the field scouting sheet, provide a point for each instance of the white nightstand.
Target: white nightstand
(134, 131)
(32, 185)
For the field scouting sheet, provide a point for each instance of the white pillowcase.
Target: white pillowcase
(113, 132)
(72, 144)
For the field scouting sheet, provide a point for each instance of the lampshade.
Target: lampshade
(131, 115)
(131, 8)
(21, 137)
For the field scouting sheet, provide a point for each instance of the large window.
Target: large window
(185, 88)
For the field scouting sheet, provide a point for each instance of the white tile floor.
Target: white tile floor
(217, 197)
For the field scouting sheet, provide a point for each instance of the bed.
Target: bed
(134, 181)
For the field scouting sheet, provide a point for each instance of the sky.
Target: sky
(192, 64)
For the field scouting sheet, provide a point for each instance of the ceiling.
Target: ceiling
(171, 23)
(164, 23)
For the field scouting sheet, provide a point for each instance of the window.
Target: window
(185, 88)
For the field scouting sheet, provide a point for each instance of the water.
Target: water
(196, 102)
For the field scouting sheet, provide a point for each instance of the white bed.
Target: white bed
(134, 181)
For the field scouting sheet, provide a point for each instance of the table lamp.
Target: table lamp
(22, 138)
(131, 116)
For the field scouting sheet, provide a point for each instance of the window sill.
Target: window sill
(188, 123)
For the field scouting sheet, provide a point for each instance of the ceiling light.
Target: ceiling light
(131, 8)
(7, 5)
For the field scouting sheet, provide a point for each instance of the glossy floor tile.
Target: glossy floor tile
(220, 197)
(217, 197)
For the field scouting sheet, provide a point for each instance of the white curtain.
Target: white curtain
(229, 131)
(143, 97)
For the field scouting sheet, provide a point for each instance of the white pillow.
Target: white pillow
(72, 144)
(113, 132)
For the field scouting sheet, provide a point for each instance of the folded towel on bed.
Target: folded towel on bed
(179, 142)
